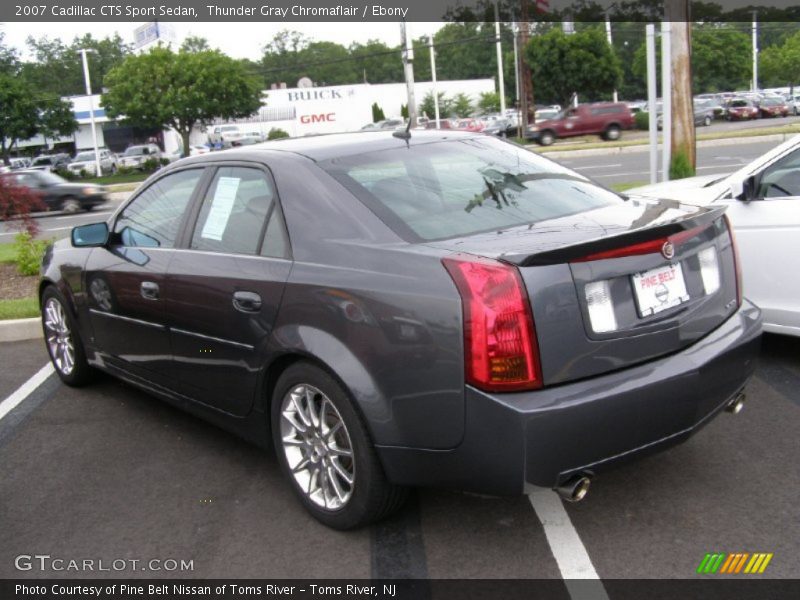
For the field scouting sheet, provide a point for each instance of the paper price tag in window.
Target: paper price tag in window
(221, 208)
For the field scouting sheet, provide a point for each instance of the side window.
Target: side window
(234, 214)
(276, 244)
(154, 217)
(782, 178)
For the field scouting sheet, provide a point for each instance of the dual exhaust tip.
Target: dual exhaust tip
(576, 488)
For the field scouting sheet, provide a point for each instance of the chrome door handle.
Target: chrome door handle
(149, 290)
(248, 302)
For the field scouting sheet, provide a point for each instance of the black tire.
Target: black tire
(612, 133)
(80, 373)
(546, 138)
(372, 497)
(707, 121)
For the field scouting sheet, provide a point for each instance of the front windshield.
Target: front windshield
(85, 157)
(770, 102)
(134, 151)
(465, 186)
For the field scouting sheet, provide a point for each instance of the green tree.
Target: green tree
(721, 58)
(180, 90)
(375, 62)
(57, 69)
(563, 64)
(489, 102)
(195, 43)
(427, 106)
(290, 56)
(462, 105)
(23, 115)
(780, 65)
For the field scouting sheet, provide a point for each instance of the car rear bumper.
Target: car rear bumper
(542, 438)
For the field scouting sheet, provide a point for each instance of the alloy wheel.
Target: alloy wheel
(59, 337)
(317, 446)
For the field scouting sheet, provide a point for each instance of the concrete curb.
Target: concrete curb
(611, 150)
(17, 330)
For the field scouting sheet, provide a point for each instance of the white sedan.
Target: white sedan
(763, 204)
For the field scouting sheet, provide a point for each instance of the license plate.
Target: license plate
(659, 289)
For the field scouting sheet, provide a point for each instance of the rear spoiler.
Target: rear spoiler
(579, 251)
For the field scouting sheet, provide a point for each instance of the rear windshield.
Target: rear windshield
(459, 187)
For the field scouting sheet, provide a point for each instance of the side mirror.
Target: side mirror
(744, 190)
(90, 236)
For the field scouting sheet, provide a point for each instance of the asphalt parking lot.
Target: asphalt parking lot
(107, 473)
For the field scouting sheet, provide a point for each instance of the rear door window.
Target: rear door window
(235, 213)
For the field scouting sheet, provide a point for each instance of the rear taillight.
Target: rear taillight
(501, 353)
(737, 263)
(648, 247)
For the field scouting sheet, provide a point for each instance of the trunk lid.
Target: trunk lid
(604, 296)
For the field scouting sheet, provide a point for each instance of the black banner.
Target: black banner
(739, 588)
(292, 11)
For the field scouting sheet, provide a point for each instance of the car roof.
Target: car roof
(324, 147)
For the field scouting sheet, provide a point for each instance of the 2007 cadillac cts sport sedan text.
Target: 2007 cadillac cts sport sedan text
(447, 309)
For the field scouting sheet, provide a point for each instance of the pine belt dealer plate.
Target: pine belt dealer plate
(659, 289)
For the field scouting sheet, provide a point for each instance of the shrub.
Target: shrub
(163, 161)
(28, 253)
(123, 170)
(377, 113)
(151, 164)
(16, 205)
(641, 120)
(277, 134)
(680, 167)
(67, 174)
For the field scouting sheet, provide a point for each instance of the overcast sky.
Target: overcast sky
(239, 40)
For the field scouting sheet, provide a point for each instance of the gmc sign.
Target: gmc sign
(318, 118)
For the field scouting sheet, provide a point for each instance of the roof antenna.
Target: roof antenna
(405, 134)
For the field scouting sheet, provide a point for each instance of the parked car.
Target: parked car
(51, 161)
(794, 104)
(703, 115)
(606, 119)
(442, 309)
(773, 107)
(221, 134)
(501, 128)
(57, 193)
(741, 109)
(763, 204)
(135, 157)
(85, 161)
(197, 149)
(472, 125)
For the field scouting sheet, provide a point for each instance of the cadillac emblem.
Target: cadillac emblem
(668, 250)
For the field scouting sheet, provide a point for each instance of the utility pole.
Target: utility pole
(683, 132)
(500, 81)
(88, 82)
(515, 31)
(408, 68)
(755, 51)
(666, 99)
(433, 79)
(652, 94)
(611, 44)
(526, 82)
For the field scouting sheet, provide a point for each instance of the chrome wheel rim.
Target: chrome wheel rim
(71, 206)
(317, 447)
(59, 337)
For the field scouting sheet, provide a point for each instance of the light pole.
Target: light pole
(83, 52)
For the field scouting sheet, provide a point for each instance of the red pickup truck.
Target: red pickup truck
(606, 119)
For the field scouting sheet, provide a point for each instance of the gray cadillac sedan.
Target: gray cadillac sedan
(393, 310)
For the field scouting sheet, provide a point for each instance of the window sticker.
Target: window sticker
(221, 208)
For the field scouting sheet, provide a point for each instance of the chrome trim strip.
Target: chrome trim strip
(212, 338)
(94, 311)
